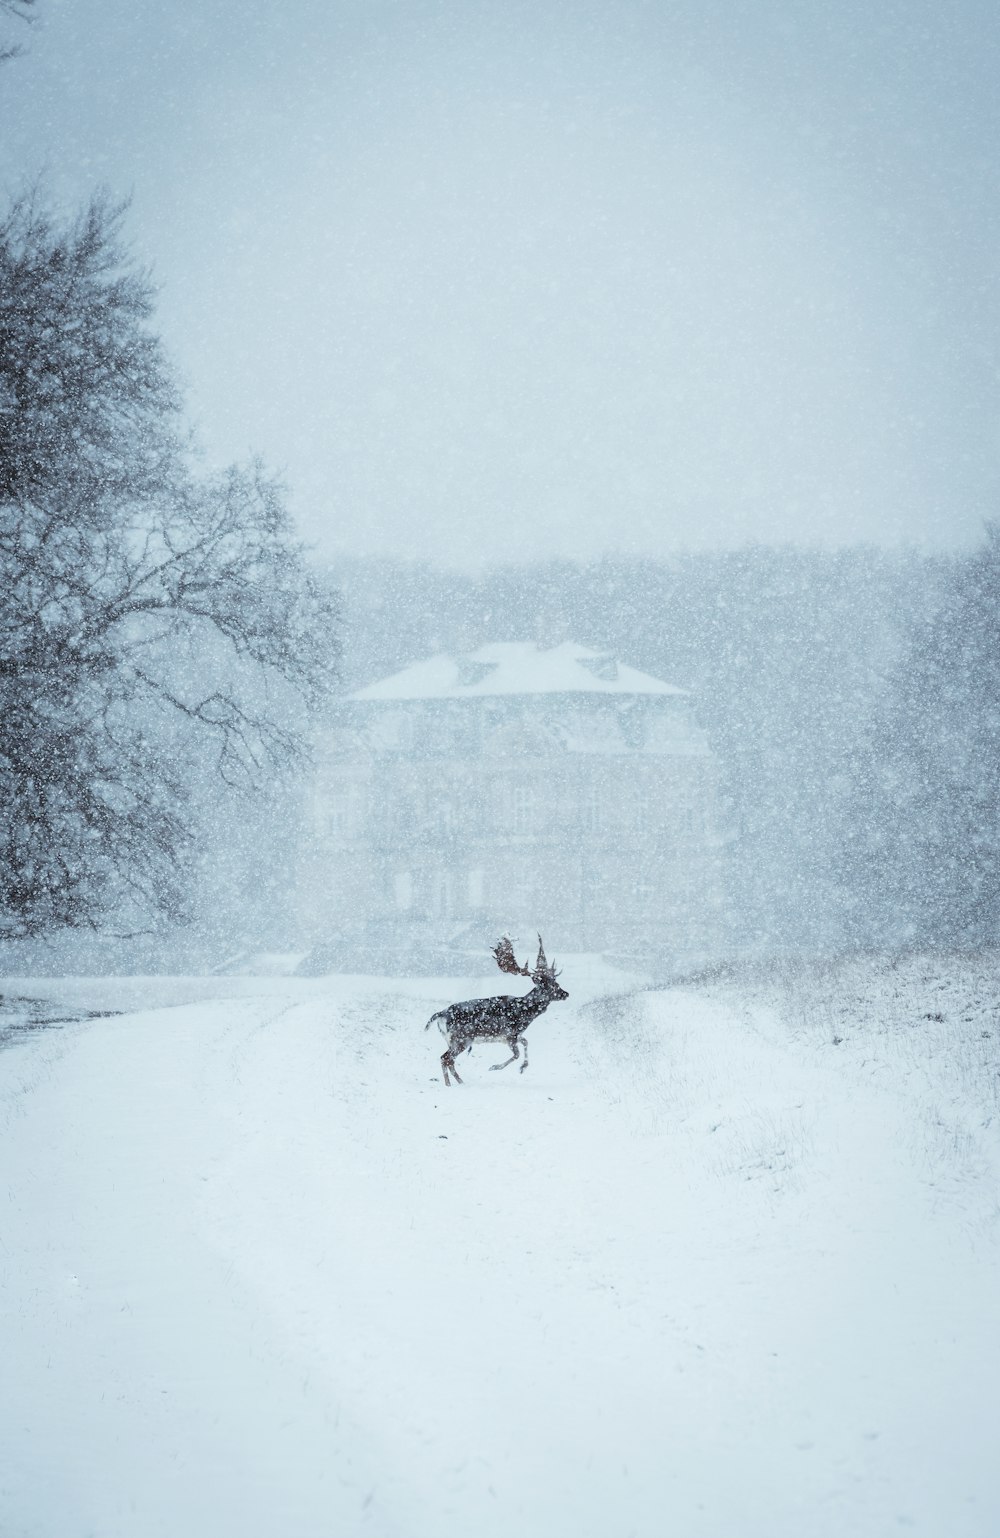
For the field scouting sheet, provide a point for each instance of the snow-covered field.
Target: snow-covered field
(723, 1262)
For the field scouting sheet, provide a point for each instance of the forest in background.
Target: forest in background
(851, 697)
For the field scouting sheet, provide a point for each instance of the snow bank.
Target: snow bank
(264, 1274)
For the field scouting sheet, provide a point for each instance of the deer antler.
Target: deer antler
(503, 951)
(543, 968)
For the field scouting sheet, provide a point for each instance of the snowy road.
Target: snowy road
(263, 1274)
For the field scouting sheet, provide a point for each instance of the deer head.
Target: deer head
(543, 974)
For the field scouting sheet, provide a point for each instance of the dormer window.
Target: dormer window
(605, 668)
(472, 672)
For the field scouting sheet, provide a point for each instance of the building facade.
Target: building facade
(514, 789)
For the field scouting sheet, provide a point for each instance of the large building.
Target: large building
(514, 789)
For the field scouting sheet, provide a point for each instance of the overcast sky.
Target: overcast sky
(503, 279)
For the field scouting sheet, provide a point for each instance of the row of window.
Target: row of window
(521, 813)
(456, 893)
(449, 892)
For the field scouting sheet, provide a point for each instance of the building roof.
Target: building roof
(515, 667)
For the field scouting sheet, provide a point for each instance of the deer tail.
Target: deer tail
(439, 1016)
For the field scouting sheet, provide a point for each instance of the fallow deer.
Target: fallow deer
(504, 1018)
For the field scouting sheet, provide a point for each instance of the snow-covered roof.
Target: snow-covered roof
(515, 667)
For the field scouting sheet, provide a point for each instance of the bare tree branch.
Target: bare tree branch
(20, 10)
(147, 615)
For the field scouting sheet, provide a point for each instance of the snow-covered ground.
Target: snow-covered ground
(723, 1262)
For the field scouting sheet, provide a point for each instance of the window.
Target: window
(522, 809)
(399, 730)
(519, 891)
(590, 809)
(690, 820)
(343, 811)
(442, 895)
(442, 816)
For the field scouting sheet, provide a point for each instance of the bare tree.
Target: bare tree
(21, 10)
(146, 611)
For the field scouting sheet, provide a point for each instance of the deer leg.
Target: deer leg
(524, 1044)
(448, 1063)
(512, 1043)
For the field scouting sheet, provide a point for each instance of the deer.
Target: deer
(503, 1018)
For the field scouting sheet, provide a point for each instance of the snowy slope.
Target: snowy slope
(263, 1274)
